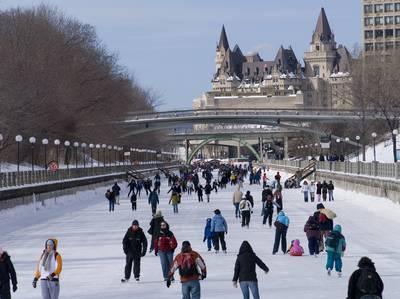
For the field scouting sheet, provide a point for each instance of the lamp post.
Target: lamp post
(347, 139)
(358, 148)
(18, 139)
(109, 154)
(45, 142)
(57, 144)
(83, 145)
(395, 133)
(67, 145)
(76, 145)
(32, 141)
(104, 146)
(1, 145)
(91, 146)
(98, 154)
(115, 154)
(338, 142)
(374, 137)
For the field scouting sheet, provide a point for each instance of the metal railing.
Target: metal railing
(372, 169)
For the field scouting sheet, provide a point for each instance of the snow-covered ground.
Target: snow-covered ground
(90, 242)
(384, 152)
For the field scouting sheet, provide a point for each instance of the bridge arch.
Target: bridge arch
(214, 138)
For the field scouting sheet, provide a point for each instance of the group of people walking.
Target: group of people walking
(312, 190)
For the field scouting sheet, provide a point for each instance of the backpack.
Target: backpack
(367, 282)
(269, 205)
(332, 241)
(242, 205)
(313, 225)
(188, 266)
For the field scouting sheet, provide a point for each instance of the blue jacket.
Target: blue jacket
(207, 230)
(153, 198)
(282, 218)
(218, 224)
(341, 247)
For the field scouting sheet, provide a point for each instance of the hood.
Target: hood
(366, 263)
(4, 255)
(337, 228)
(296, 242)
(208, 221)
(55, 243)
(158, 214)
(281, 213)
(245, 248)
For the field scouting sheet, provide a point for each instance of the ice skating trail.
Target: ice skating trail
(90, 242)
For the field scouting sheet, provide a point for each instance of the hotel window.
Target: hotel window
(368, 34)
(389, 33)
(397, 32)
(397, 6)
(369, 8)
(389, 20)
(379, 21)
(397, 19)
(388, 7)
(378, 8)
(368, 21)
(379, 46)
(369, 47)
(378, 33)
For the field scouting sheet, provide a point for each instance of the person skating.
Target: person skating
(153, 201)
(335, 245)
(208, 234)
(237, 198)
(282, 225)
(111, 200)
(48, 270)
(116, 190)
(245, 211)
(7, 273)
(188, 262)
(313, 233)
(157, 183)
(365, 282)
(278, 177)
(155, 227)
(200, 193)
(219, 227)
(305, 189)
(325, 217)
(134, 201)
(295, 248)
(245, 271)
(139, 187)
(174, 200)
(249, 197)
(312, 188)
(134, 246)
(318, 191)
(164, 247)
(324, 190)
(207, 191)
(278, 198)
(132, 187)
(331, 187)
(268, 210)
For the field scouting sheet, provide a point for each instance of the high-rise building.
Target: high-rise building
(381, 25)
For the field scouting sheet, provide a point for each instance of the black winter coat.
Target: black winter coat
(353, 292)
(265, 193)
(7, 272)
(135, 243)
(245, 266)
(116, 189)
(331, 186)
(250, 198)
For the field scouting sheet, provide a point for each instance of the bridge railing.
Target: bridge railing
(21, 178)
(372, 169)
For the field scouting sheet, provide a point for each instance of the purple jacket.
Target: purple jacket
(311, 228)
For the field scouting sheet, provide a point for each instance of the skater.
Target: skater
(278, 198)
(7, 273)
(132, 186)
(305, 189)
(200, 193)
(153, 201)
(215, 186)
(325, 217)
(295, 248)
(278, 178)
(331, 187)
(324, 190)
(219, 228)
(190, 187)
(312, 230)
(139, 187)
(312, 191)
(245, 211)
(335, 245)
(188, 262)
(237, 198)
(365, 282)
(245, 271)
(48, 270)
(268, 210)
(282, 225)
(174, 200)
(155, 227)
(319, 191)
(208, 234)
(157, 183)
(135, 246)
(111, 200)
(165, 246)
(249, 197)
(116, 190)
(207, 191)
(133, 201)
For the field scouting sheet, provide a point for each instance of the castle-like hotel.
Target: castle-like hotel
(248, 81)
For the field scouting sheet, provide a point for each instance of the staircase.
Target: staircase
(301, 174)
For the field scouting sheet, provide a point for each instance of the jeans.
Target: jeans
(313, 246)
(209, 243)
(247, 286)
(330, 194)
(237, 211)
(280, 235)
(305, 196)
(312, 195)
(166, 259)
(246, 218)
(50, 289)
(153, 209)
(268, 214)
(334, 259)
(136, 266)
(200, 197)
(191, 289)
(219, 236)
(208, 197)
(175, 208)
(111, 205)
(134, 206)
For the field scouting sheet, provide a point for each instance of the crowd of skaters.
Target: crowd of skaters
(320, 231)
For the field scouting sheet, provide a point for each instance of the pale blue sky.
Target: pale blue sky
(169, 45)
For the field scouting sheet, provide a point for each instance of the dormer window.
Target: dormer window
(317, 47)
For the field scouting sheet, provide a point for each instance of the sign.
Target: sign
(53, 166)
(325, 141)
(127, 154)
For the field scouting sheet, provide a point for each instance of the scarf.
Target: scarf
(46, 261)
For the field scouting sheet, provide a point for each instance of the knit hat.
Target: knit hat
(50, 242)
(159, 213)
(320, 206)
(186, 246)
(135, 222)
(217, 212)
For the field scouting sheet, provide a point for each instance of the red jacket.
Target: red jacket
(165, 242)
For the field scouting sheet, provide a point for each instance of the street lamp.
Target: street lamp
(18, 139)
(91, 146)
(358, 148)
(1, 145)
(347, 139)
(98, 154)
(45, 142)
(32, 141)
(57, 144)
(76, 145)
(83, 145)
(67, 145)
(374, 137)
(109, 154)
(395, 133)
(115, 154)
(104, 146)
